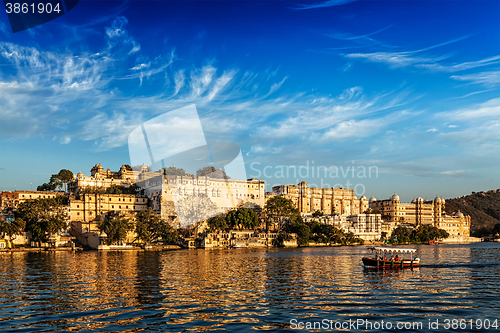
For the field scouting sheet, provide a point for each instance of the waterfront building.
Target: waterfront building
(330, 201)
(364, 226)
(420, 212)
(11, 200)
(243, 238)
(166, 192)
(87, 207)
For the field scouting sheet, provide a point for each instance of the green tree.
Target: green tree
(173, 171)
(402, 234)
(150, 228)
(46, 187)
(57, 181)
(278, 210)
(302, 231)
(317, 213)
(242, 218)
(279, 241)
(65, 176)
(11, 229)
(217, 222)
(43, 217)
(212, 172)
(496, 229)
(116, 228)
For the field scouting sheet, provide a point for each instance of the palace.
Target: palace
(421, 212)
(165, 192)
(100, 178)
(330, 201)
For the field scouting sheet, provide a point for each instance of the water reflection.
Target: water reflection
(240, 289)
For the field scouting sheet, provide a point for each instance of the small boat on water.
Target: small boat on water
(389, 257)
(433, 242)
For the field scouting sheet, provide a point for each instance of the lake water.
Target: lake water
(242, 290)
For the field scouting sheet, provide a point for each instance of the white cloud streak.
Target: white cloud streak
(329, 3)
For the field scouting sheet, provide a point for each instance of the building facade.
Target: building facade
(88, 206)
(330, 201)
(12, 200)
(421, 212)
(166, 192)
(102, 179)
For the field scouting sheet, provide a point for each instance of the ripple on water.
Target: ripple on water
(240, 290)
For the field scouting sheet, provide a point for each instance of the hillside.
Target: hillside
(483, 208)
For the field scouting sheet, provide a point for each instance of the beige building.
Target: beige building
(13, 199)
(328, 200)
(102, 179)
(421, 212)
(243, 238)
(166, 191)
(364, 226)
(89, 206)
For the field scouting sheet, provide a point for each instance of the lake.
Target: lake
(249, 289)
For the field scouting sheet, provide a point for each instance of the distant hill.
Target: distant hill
(483, 208)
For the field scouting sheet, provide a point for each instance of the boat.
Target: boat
(239, 247)
(388, 257)
(433, 242)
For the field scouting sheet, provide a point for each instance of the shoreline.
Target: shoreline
(470, 240)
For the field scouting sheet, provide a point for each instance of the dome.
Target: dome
(363, 198)
(80, 175)
(420, 199)
(460, 214)
(413, 201)
(437, 199)
(372, 199)
(395, 197)
(442, 200)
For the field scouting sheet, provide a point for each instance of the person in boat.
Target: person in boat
(397, 258)
(385, 258)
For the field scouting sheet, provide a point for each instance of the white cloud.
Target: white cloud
(179, 80)
(488, 77)
(488, 109)
(454, 173)
(329, 3)
(354, 129)
(65, 140)
(118, 27)
(395, 59)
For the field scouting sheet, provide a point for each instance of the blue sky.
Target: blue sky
(409, 87)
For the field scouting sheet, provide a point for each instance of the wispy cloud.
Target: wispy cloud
(486, 78)
(329, 3)
(489, 109)
(396, 59)
(421, 59)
